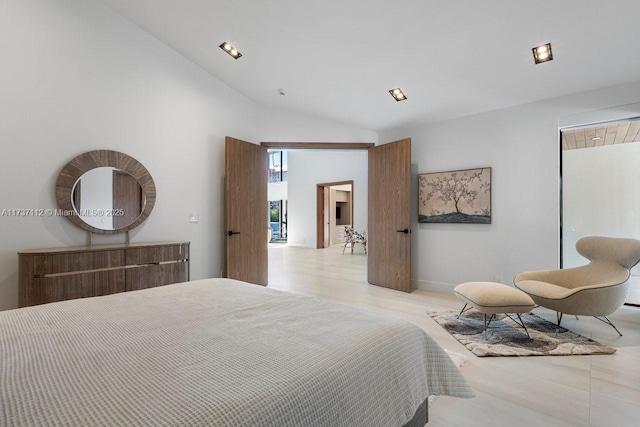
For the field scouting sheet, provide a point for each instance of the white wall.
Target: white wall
(521, 145)
(276, 125)
(307, 168)
(77, 77)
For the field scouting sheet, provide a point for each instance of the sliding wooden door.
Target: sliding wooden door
(389, 237)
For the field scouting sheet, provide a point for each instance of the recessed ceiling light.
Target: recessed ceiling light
(230, 50)
(542, 53)
(397, 94)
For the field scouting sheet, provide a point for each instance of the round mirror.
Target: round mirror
(107, 198)
(105, 192)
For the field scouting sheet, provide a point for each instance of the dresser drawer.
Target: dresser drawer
(70, 262)
(151, 276)
(156, 254)
(81, 285)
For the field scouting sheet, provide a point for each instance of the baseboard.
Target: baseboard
(426, 285)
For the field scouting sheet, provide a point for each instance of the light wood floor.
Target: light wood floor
(599, 390)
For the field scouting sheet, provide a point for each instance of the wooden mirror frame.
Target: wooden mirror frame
(103, 158)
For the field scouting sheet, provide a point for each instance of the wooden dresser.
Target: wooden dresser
(48, 275)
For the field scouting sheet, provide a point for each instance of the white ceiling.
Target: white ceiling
(337, 59)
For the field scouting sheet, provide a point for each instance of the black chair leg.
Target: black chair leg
(608, 322)
(559, 317)
(461, 311)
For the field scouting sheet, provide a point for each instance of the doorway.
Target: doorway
(306, 169)
(388, 202)
(334, 211)
(277, 194)
(600, 192)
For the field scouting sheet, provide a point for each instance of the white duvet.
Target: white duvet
(215, 352)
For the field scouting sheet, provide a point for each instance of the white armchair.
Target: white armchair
(596, 289)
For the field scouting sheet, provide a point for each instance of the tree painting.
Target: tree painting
(462, 196)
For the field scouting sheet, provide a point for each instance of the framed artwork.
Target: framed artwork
(462, 196)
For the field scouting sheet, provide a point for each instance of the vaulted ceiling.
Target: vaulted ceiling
(337, 59)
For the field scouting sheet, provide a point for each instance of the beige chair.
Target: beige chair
(596, 289)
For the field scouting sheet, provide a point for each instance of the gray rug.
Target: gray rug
(506, 338)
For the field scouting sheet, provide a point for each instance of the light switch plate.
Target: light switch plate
(193, 217)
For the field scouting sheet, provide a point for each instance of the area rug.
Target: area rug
(458, 359)
(507, 338)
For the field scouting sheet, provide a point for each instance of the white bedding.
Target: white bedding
(215, 352)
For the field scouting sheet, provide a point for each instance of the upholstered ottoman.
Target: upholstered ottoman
(493, 298)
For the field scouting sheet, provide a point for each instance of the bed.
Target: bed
(216, 352)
